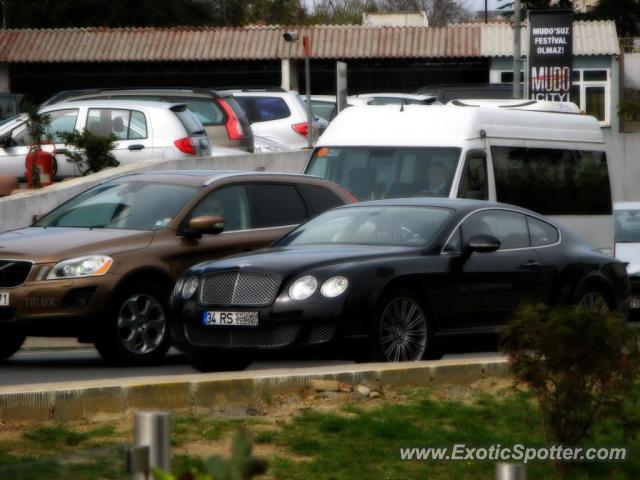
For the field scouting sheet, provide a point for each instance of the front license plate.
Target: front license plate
(4, 299)
(635, 303)
(230, 319)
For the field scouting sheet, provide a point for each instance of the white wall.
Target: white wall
(624, 164)
(632, 70)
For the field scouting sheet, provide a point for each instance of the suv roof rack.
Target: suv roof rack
(252, 88)
(66, 94)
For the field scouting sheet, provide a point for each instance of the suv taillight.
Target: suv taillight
(233, 126)
(301, 128)
(185, 145)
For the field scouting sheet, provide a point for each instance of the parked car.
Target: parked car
(102, 265)
(400, 272)
(398, 99)
(275, 114)
(324, 106)
(144, 130)
(224, 120)
(627, 249)
(447, 92)
(538, 155)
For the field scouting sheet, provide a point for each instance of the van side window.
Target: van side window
(553, 181)
(508, 227)
(473, 183)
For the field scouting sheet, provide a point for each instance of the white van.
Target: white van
(551, 162)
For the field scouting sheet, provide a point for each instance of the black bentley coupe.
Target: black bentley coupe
(399, 271)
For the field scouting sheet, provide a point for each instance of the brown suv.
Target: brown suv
(101, 266)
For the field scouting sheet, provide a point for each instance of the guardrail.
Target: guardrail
(17, 210)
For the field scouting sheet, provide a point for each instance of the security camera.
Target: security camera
(290, 36)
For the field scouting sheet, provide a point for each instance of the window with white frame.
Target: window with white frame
(591, 90)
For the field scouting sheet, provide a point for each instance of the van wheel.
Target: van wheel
(217, 362)
(137, 330)
(11, 341)
(402, 329)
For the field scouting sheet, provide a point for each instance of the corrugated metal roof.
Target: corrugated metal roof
(247, 43)
(266, 42)
(589, 38)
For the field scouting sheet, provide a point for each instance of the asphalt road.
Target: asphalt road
(50, 366)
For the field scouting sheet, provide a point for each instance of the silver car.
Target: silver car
(144, 130)
(277, 115)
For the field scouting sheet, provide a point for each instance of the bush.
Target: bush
(242, 465)
(91, 153)
(580, 365)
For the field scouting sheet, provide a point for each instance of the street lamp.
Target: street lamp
(306, 44)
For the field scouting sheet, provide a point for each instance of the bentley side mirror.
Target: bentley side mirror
(206, 224)
(483, 244)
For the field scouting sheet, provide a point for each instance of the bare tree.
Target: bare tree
(439, 12)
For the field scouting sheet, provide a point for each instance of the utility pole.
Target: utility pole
(516, 49)
(4, 14)
(486, 11)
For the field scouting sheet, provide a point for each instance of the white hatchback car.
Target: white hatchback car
(276, 114)
(145, 130)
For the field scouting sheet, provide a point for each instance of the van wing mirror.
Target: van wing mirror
(482, 244)
(206, 224)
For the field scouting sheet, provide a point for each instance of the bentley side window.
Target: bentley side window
(508, 227)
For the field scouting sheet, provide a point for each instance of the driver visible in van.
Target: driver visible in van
(437, 180)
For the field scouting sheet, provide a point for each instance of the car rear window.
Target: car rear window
(189, 121)
(264, 109)
(320, 198)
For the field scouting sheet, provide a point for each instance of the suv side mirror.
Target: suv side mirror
(483, 244)
(206, 224)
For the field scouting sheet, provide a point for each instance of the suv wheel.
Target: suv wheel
(137, 330)
(11, 341)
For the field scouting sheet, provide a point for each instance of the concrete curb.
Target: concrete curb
(228, 391)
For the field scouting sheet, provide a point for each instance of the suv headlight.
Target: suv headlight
(189, 287)
(89, 266)
(303, 287)
(334, 287)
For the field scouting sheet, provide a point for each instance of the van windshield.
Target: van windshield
(372, 173)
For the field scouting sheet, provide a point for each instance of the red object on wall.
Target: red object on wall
(45, 163)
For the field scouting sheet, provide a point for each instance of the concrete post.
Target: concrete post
(289, 72)
(510, 471)
(151, 429)
(4, 78)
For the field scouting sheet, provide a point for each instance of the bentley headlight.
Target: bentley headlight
(189, 288)
(334, 287)
(303, 287)
(90, 266)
